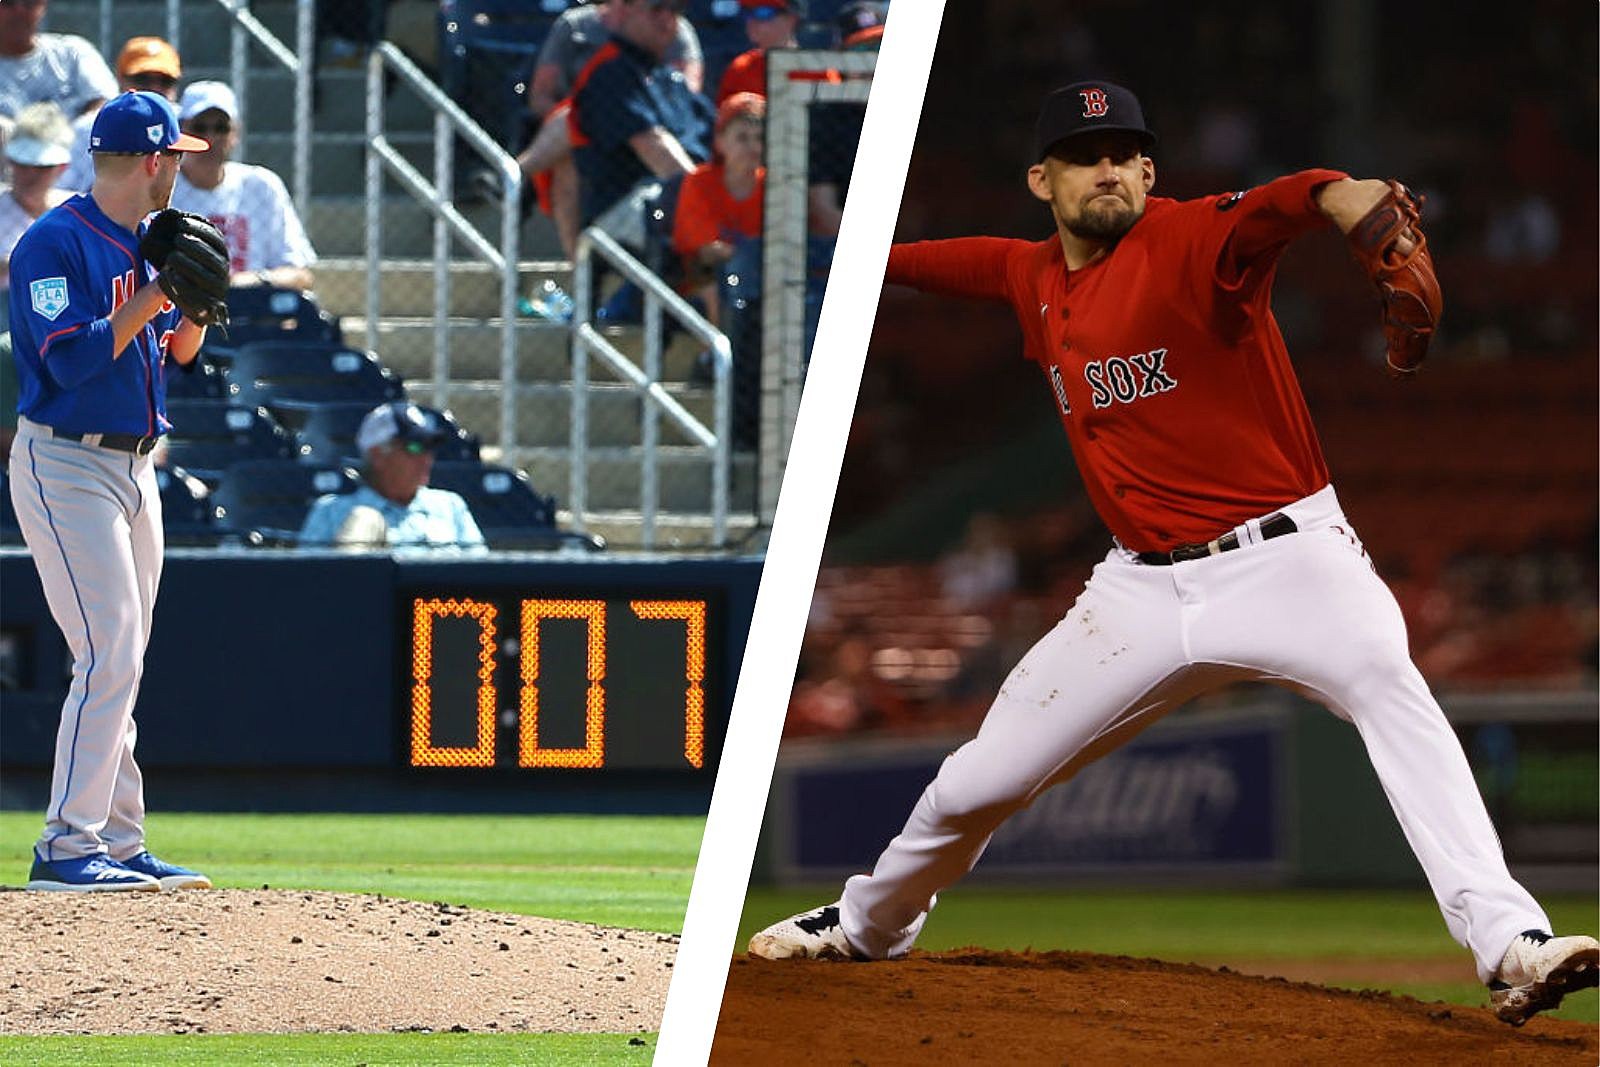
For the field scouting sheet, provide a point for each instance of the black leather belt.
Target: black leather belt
(122, 442)
(1275, 525)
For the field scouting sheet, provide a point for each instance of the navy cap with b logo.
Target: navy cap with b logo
(1088, 107)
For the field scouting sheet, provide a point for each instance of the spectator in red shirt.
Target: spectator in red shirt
(769, 24)
(720, 202)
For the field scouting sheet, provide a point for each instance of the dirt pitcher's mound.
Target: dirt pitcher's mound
(971, 1006)
(236, 961)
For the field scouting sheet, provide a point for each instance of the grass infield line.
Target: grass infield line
(615, 870)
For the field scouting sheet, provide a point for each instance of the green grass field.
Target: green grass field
(631, 871)
(1387, 931)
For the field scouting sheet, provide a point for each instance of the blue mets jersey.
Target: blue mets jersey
(69, 272)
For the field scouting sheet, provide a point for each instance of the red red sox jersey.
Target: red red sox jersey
(1172, 379)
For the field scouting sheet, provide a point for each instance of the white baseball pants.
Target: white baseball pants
(91, 518)
(1305, 610)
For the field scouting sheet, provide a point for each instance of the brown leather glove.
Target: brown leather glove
(1390, 246)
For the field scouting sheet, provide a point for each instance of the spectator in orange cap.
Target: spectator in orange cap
(769, 24)
(147, 64)
(720, 202)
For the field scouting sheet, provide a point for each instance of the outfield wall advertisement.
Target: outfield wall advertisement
(1203, 791)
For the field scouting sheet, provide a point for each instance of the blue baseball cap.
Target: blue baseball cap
(140, 123)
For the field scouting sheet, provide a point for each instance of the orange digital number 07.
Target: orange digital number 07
(530, 753)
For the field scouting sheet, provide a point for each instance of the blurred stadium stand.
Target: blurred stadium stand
(286, 374)
(265, 501)
(1474, 491)
(185, 508)
(208, 435)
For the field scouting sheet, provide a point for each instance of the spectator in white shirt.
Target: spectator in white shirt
(249, 204)
(145, 64)
(59, 67)
(37, 152)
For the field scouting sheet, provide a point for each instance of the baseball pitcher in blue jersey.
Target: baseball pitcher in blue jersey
(94, 336)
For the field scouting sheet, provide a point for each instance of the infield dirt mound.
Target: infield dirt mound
(973, 1006)
(238, 961)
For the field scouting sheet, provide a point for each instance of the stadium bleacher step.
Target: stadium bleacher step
(338, 225)
(621, 529)
(544, 412)
(204, 31)
(408, 285)
(614, 477)
(543, 349)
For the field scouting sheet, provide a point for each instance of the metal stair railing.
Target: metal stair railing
(298, 62)
(449, 121)
(658, 297)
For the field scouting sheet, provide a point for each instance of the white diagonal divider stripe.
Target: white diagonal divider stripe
(799, 528)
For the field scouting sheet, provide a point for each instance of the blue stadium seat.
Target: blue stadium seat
(328, 435)
(286, 374)
(506, 507)
(262, 313)
(201, 381)
(265, 501)
(208, 436)
(185, 508)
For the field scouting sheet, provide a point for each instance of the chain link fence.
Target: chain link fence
(433, 314)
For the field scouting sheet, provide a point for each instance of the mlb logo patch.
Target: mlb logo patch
(49, 297)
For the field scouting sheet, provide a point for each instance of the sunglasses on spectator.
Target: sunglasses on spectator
(414, 448)
(151, 82)
(210, 129)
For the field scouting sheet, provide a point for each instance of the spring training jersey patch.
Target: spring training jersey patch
(49, 297)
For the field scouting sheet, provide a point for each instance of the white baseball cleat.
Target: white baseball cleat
(811, 935)
(1538, 970)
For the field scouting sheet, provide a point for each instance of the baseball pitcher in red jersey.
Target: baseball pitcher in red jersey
(1231, 559)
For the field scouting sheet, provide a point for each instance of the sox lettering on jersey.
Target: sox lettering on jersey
(1125, 379)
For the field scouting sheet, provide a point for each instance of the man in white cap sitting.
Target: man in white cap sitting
(395, 507)
(249, 204)
(38, 150)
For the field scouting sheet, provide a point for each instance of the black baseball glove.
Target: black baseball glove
(192, 256)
